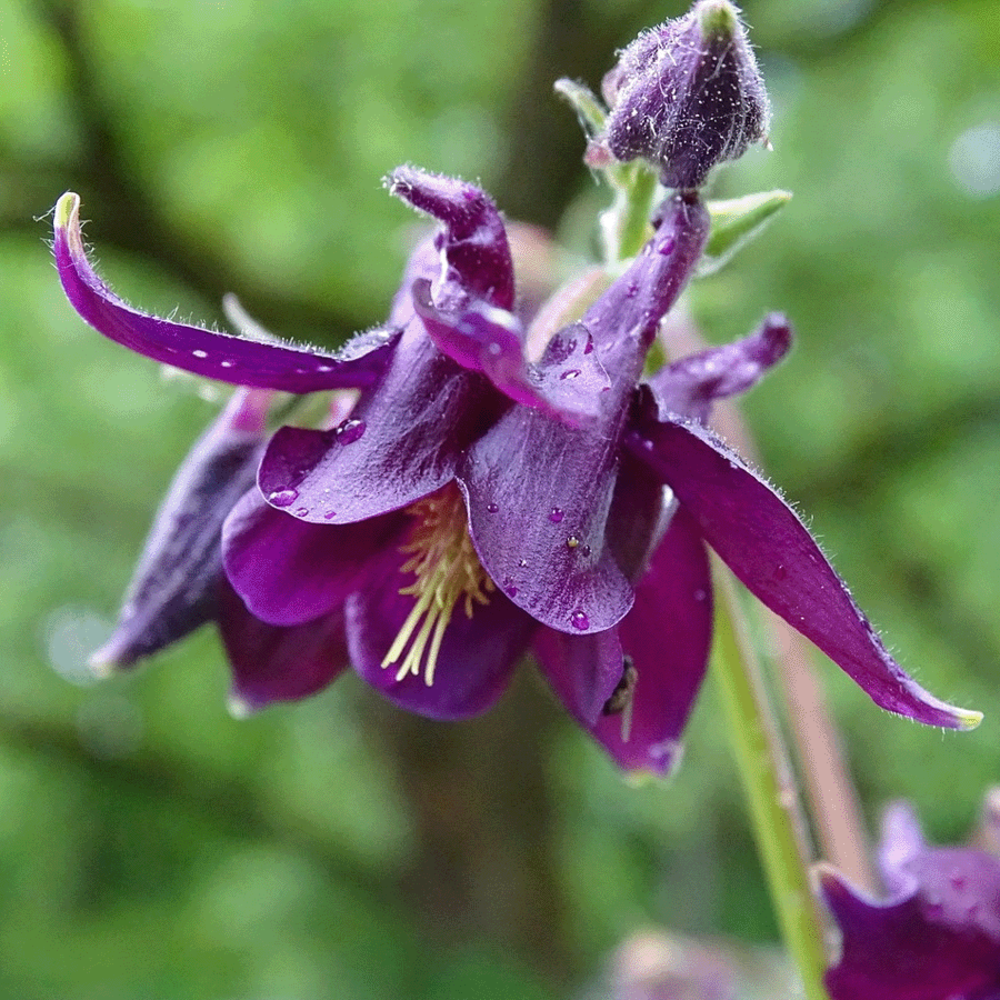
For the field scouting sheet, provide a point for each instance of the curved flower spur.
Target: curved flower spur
(475, 503)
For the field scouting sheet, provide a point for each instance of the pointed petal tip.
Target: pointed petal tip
(67, 210)
(107, 661)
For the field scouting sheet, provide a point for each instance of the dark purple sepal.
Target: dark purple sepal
(538, 495)
(400, 443)
(208, 353)
(566, 384)
(689, 386)
(288, 571)
(687, 95)
(272, 663)
(772, 553)
(936, 937)
(666, 638)
(474, 247)
(476, 659)
(173, 590)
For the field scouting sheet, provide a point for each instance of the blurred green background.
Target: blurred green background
(152, 847)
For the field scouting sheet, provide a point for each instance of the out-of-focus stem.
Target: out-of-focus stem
(769, 787)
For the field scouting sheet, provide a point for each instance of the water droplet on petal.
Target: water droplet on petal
(283, 498)
(227, 363)
(666, 247)
(200, 354)
(512, 592)
(700, 595)
(350, 431)
(556, 515)
(492, 508)
(302, 512)
(580, 620)
(589, 345)
(522, 563)
(586, 550)
(572, 542)
(330, 515)
(571, 373)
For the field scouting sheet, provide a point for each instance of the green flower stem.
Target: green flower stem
(769, 788)
(625, 225)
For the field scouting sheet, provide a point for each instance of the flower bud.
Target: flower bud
(687, 95)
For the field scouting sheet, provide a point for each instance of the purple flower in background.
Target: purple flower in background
(475, 503)
(687, 95)
(936, 936)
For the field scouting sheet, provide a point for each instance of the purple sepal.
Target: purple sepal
(687, 95)
(400, 442)
(689, 386)
(288, 571)
(475, 662)
(208, 353)
(770, 550)
(476, 254)
(665, 637)
(491, 341)
(936, 937)
(174, 587)
(271, 663)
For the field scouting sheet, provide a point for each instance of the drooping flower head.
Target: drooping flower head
(937, 934)
(687, 95)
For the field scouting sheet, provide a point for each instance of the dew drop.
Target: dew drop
(589, 347)
(572, 542)
(667, 247)
(580, 620)
(492, 508)
(572, 373)
(522, 563)
(227, 363)
(632, 291)
(556, 515)
(324, 368)
(700, 595)
(512, 592)
(330, 515)
(586, 550)
(780, 573)
(302, 512)
(200, 354)
(350, 431)
(283, 498)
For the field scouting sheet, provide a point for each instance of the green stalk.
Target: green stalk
(769, 788)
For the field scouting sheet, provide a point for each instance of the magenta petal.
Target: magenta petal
(289, 572)
(400, 443)
(688, 386)
(274, 663)
(770, 550)
(568, 382)
(474, 245)
(174, 587)
(207, 353)
(477, 656)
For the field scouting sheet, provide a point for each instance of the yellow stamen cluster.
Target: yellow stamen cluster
(447, 569)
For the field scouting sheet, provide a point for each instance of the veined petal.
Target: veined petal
(174, 587)
(400, 443)
(490, 340)
(688, 387)
(476, 658)
(272, 663)
(538, 495)
(476, 256)
(208, 353)
(289, 572)
(770, 550)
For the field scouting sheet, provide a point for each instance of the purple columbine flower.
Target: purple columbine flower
(936, 936)
(687, 95)
(475, 502)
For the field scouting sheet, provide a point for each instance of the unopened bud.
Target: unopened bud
(687, 95)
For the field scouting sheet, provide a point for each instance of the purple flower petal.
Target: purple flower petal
(477, 259)
(489, 340)
(689, 386)
(666, 638)
(475, 661)
(770, 550)
(272, 663)
(400, 443)
(174, 587)
(208, 353)
(289, 572)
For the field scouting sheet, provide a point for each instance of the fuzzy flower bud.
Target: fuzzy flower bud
(687, 95)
